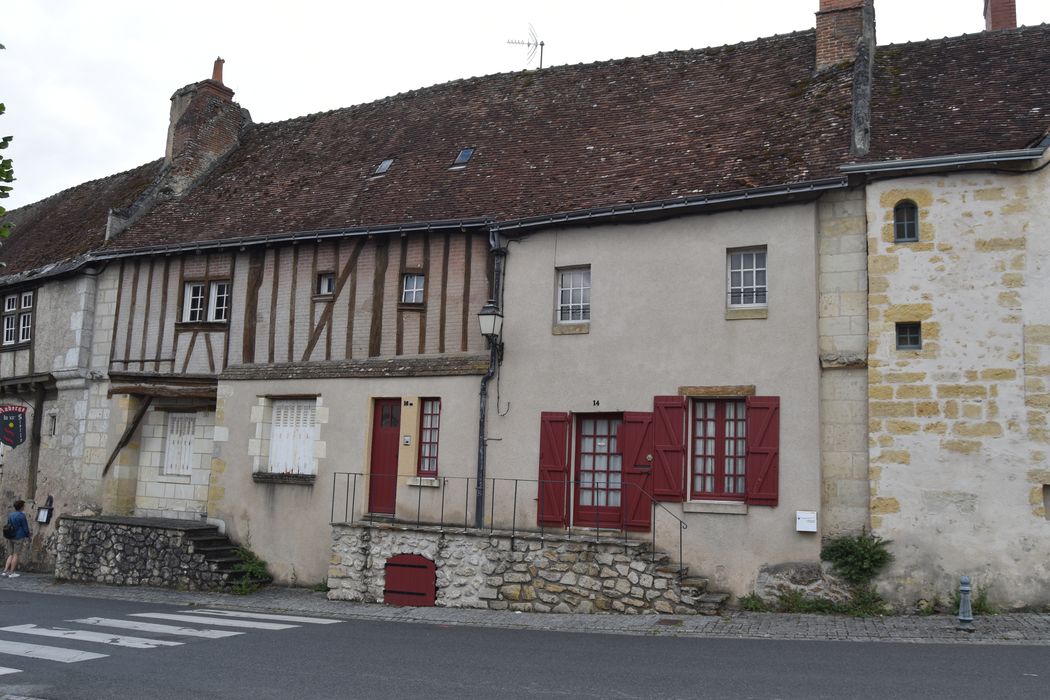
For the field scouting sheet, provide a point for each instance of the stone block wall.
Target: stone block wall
(958, 428)
(499, 572)
(843, 343)
(133, 552)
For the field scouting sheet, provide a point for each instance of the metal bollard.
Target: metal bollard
(965, 609)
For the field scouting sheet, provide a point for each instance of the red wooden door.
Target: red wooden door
(599, 471)
(386, 433)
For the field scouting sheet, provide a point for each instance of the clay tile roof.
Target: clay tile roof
(70, 223)
(561, 139)
(969, 94)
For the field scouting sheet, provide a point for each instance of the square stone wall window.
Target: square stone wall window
(909, 336)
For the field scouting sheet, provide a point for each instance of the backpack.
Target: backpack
(9, 529)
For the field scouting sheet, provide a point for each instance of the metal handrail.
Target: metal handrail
(350, 509)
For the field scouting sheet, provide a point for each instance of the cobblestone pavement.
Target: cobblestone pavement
(1013, 628)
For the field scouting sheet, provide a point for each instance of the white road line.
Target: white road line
(88, 636)
(215, 621)
(37, 651)
(275, 618)
(158, 629)
(5, 671)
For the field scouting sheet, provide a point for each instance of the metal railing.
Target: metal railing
(438, 502)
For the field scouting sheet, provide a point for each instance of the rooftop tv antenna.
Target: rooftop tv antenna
(533, 43)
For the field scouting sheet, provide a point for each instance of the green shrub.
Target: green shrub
(753, 603)
(254, 573)
(858, 559)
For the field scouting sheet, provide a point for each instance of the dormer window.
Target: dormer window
(463, 157)
(384, 166)
(905, 222)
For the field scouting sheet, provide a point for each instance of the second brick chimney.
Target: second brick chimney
(840, 23)
(205, 125)
(1000, 14)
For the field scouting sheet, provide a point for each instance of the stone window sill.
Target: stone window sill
(723, 507)
(173, 478)
(745, 314)
(429, 482)
(571, 328)
(294, 479)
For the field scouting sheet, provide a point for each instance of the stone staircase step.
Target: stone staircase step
(712, 603)
(672, 568)
(696, 584)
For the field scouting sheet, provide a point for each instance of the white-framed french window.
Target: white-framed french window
(746, 278)
(293, 432)
(17, 324)
(574, 295)
(429, 431)
(206, 301)
(178, 450)
(11, 302)
(27, 300)
(412, 288)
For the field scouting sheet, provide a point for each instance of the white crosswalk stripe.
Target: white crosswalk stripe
(215, 621)
(5, 671)
(39, 651)
(274, 618)
(155, 628)
(88, 636)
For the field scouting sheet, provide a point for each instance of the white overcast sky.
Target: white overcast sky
(87, 83)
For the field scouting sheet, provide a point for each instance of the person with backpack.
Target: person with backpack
(16, 533)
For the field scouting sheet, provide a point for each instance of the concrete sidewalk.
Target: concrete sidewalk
(1014, 628)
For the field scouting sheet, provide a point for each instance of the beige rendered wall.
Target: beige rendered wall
(288, 525)
(659, 323)
(959, 435)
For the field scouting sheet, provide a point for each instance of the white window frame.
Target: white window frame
(219, 301)
(11, 303)
(25, 327)
(744, 270)
(10, 329)
(573, 303)
(27, 300)
(193, 302)
(412, 286)
(178, 449)
(326, 284)
(294, 430)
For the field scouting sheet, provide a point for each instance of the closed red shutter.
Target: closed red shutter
(669, 413)
(763, 450)
(636, 442)
(552, 508)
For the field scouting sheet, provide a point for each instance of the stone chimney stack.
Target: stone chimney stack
(1000, 14)
(840, 24)
(205, 125)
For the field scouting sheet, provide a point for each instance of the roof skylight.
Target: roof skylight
(463, 156)
(384, 166)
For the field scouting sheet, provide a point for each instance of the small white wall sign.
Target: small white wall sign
(805, 521)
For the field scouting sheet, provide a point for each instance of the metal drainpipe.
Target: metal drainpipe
(483, 394)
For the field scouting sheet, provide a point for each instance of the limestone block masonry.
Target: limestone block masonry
(530, 573)
(134, 552)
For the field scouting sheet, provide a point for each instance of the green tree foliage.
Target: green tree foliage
(7, 174)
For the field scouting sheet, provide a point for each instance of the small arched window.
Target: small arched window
(905, 222)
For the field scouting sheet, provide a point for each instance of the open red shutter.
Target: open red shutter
(669, 413)
(763, 450)
(636, 443)
(552, 507)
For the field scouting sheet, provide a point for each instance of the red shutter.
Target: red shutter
(669, 413)
(636, 445)
(763, 450)
(552, 508)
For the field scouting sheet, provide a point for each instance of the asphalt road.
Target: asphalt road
(364, 659)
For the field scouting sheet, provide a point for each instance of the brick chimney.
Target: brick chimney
(1000, 14)
(840, 23)
(205, 125)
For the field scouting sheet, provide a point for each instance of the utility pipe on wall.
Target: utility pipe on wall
(495, 357)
